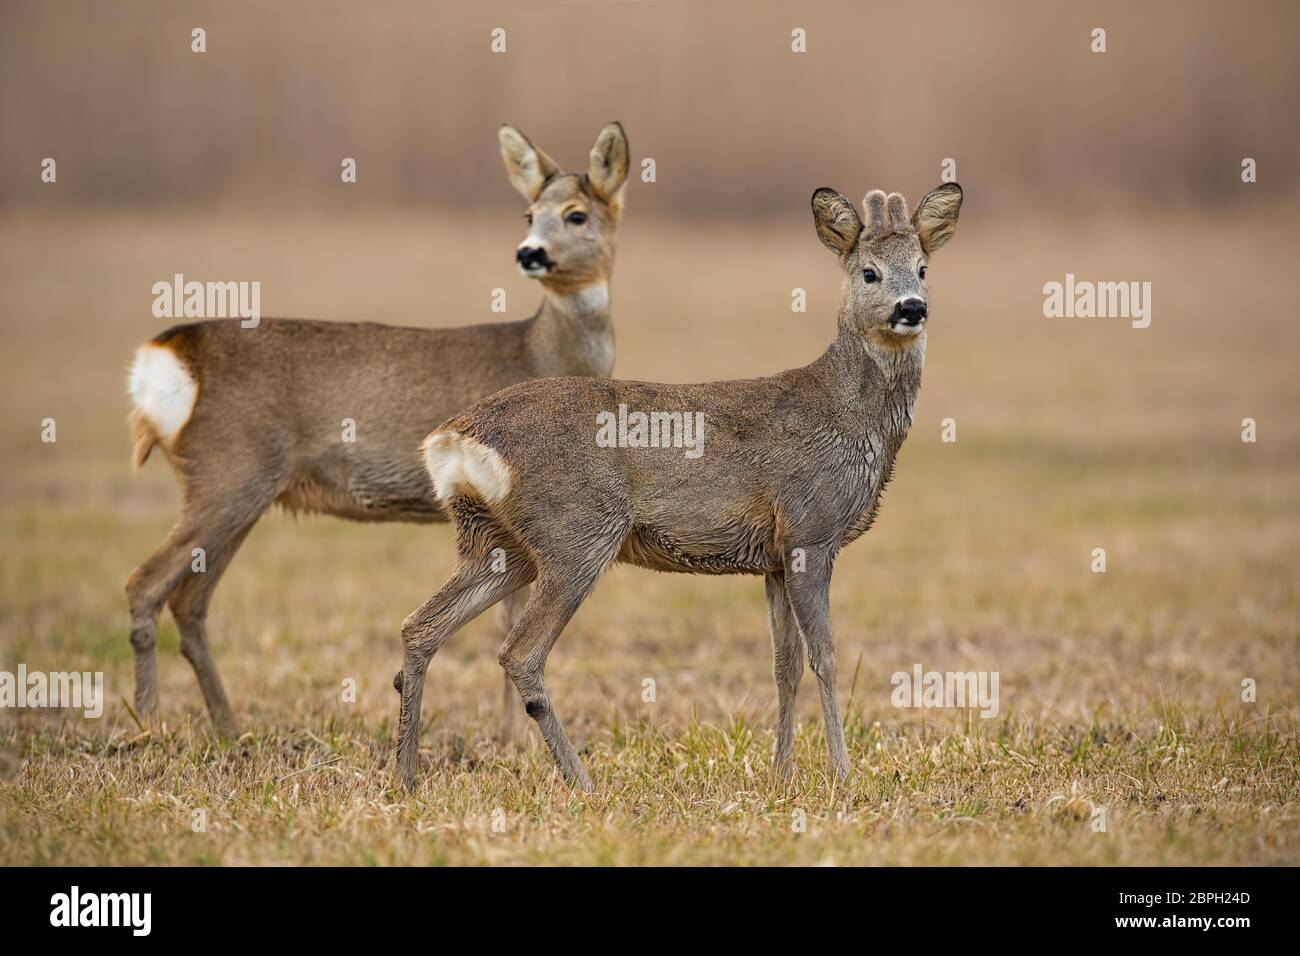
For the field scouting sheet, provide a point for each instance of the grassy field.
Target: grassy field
(1120, 692)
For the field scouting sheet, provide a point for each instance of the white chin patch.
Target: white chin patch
(162, 389)
(901, 329)
(533, 272)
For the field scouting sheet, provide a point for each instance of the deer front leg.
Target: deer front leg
(787, 665)
(809, 594)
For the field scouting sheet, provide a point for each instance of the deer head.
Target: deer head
(885, 256)
(572, 217)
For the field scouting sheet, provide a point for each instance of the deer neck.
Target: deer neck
(572, 333)
(877, 379)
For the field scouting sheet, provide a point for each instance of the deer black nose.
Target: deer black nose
(911, 310)
(532, 256)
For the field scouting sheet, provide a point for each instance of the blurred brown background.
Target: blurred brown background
(738, 125)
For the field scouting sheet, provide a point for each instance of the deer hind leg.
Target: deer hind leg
(523, 656)
(567, 572)
(787, 665)
(189, 607)
(508, 612)
(147, 589)
(809, 595)
(476, 585)
(217, 512)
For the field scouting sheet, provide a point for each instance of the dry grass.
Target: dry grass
(1119, 690)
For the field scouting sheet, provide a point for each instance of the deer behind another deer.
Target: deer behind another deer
(250, 417)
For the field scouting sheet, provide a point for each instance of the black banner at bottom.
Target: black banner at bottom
(335, 906)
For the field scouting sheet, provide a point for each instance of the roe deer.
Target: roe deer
(791, 471)
(252, 417)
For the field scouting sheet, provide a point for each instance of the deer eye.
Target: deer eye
(922, 272)
(869, 276)
(528, 218)
(576, 218)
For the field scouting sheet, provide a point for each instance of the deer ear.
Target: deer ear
(527, 166)
(935, 218)
(837, 221)
(607, 170)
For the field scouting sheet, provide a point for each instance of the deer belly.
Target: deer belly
(732, 547)
(363, 489)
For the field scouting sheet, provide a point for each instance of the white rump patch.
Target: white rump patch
(163, 390)
(458, 464)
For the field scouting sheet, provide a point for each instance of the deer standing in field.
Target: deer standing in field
(250, 417)
(790, 470)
